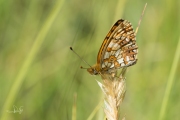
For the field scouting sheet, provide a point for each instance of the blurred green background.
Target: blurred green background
(40, 73)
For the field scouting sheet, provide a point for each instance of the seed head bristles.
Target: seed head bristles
(114, 90)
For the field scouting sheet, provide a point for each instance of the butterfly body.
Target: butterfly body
(118, 49)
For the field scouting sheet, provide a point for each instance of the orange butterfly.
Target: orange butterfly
(118, 49)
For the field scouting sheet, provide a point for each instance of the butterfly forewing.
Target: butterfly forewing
(119, 48)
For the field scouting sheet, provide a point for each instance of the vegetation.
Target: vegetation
(40, 73)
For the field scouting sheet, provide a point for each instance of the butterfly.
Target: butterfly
(118, 50)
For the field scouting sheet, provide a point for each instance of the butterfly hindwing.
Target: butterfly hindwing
(119, 48)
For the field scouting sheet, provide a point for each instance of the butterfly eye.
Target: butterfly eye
(95, 72)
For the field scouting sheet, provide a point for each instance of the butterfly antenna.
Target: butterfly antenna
(80, 58)
(140, 19)
(83, 67)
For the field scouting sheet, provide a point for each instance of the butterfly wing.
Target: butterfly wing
(119, 48)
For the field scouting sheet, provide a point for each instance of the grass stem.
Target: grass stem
(32, 54)
(170, 82)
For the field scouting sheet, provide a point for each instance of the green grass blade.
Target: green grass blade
(32, 54)
(170, 82)
(119, 9)
(95, 111)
